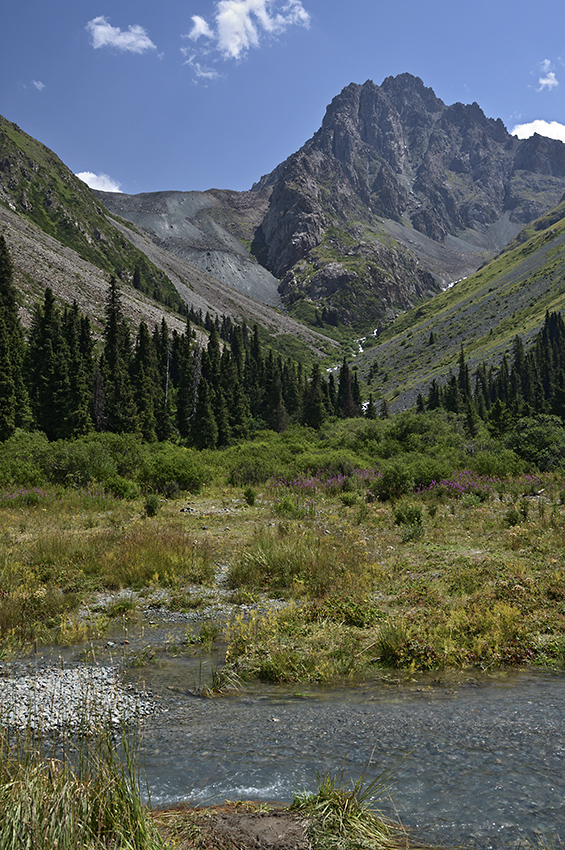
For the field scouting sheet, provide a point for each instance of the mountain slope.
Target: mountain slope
(509, 296)
(60, 235)
(35, 184)
(207, 230)
(394, 197)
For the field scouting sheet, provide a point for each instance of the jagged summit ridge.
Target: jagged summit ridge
(403, 154)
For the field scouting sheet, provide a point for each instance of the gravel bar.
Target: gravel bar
(53, 698)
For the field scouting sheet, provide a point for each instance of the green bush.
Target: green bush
(407, 514)
(512, 517)
(168, 469)
(395, 481)
(249, 496)
(498, 462)
(94, 457)
(152, 505)
(122, 488)
(21, 459)
(540, 441)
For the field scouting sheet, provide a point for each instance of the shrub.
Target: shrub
(407, 514)
(152, 505)
(293, 507)
(170, 469)
(122, 488)
(249, 496)
(497, 463)
(512, 517)
(21, 459)
(395, 481)
(540, 441)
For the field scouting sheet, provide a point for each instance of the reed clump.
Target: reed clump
(72, 793)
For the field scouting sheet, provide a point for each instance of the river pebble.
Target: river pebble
(52, 698)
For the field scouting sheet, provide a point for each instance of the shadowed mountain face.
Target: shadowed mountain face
(395, 196)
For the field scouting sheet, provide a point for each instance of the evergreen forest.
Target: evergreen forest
(159, 385)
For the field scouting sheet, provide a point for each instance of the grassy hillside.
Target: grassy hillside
(37, 185)
(508, 296)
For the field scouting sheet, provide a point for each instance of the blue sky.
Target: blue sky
(195, 94)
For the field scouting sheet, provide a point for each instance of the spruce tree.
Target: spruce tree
(314, 410)
(185, 395)
(120, 411)
(14, 400)
(204, 429)
(48, 373)
(146, 383)
(346, 405)
(8, 402)
(78, 337)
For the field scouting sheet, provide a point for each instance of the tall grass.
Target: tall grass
(295, 561)
(72, 794)
(44, 574)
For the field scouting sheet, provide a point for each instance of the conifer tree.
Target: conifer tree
(164, 419)
(8, 403)
(240, 417)
(314, 410)
(346, 405)
(463, 379)
(204, 431)
(220, 411)
(77, 333)
(14, 400)
(185, 394)
(120, 411)
(47, 368)
(146, 383)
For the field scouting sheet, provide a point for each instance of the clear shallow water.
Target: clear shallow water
(481, 765)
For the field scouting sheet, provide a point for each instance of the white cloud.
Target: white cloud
(241, 24)
(38, 85)
(99, 181)
(549, 81)
(202, 71)
(551, 129)
(200, 27)
(132, 40)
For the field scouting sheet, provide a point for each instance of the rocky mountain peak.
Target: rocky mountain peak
(395, 161)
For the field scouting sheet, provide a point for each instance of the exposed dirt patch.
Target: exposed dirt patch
(234, 826)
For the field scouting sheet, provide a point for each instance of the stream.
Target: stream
(478, 762)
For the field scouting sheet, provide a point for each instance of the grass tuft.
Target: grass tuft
(342, 817)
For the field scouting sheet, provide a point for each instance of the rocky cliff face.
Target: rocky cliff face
(395, 190)
(395, 196)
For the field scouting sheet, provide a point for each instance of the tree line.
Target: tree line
(530, 383)
(161, 385)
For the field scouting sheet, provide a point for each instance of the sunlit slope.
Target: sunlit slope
(508, 296)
